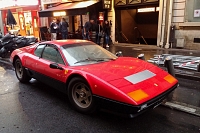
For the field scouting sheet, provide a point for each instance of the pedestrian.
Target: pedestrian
(28, 27)
(54, 29)
(107, 32)
(87, 28)
(99, 32)
(63, 27)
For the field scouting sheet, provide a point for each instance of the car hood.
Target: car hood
(119, 68)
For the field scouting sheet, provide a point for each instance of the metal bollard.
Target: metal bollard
(198, 67)
(141, 56)
(169, 65)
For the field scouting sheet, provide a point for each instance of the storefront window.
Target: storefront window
(77, 22)
(28, 23)
(85, 18)
(192, 11)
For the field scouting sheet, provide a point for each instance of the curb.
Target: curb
(187, 76)
(183, 107)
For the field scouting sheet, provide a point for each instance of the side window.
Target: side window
(52, 54)
(38, 50)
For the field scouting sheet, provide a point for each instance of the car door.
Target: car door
(32, 60)
(53, 77)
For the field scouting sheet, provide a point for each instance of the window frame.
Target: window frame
(52, 46)
(189, 11)
(41, 51)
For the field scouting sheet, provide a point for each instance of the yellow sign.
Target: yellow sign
(56, 14)
(50, 1)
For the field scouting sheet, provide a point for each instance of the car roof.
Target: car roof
(66, 42)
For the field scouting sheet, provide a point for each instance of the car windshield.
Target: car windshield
(86, 53)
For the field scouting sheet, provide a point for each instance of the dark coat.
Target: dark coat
(107, 30)
(54, 27)
(63, 26)
(87, 26)
(98, 28)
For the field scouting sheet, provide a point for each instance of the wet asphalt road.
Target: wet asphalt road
(37, 108)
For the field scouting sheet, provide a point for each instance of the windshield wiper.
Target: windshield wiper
(88, 59)
(94, 59)
(105, 58)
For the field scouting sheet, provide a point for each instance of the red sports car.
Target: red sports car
(93, 77)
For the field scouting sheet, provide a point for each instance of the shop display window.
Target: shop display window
(28, 23)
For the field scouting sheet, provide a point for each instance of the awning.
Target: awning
(76, 8)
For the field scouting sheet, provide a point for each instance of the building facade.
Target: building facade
(186, 19)
(136, 21)
(25, 14)
(76, 12)
(165, 23)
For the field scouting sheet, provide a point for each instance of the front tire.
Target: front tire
(20, 72)
(80, 96)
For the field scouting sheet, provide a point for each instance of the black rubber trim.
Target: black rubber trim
(120, 107)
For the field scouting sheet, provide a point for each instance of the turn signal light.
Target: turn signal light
(170, 79)
(138, 95)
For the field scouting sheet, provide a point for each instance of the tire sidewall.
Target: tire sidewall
(25, 78)
(88, 110)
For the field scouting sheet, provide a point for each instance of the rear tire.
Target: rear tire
(80, 96)
(20, 72)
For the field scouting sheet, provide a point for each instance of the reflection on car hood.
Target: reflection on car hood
(119, 68)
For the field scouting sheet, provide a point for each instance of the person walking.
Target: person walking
(99, 32)
(63, 26)
(107, 32)
(86, 29)
(54, 29)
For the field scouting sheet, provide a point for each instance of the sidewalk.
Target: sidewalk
(187, 96)
(154, 47)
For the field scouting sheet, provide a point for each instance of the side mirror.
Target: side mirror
(141, 56)
(55, 66)
(119, 54)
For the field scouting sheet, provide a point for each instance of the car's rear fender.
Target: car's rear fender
(18, 56)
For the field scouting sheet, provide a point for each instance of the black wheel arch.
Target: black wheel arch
(73, 76)
(14, 59)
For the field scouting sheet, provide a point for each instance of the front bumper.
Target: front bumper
(132, 110)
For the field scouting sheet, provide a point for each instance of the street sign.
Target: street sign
(107, 4)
